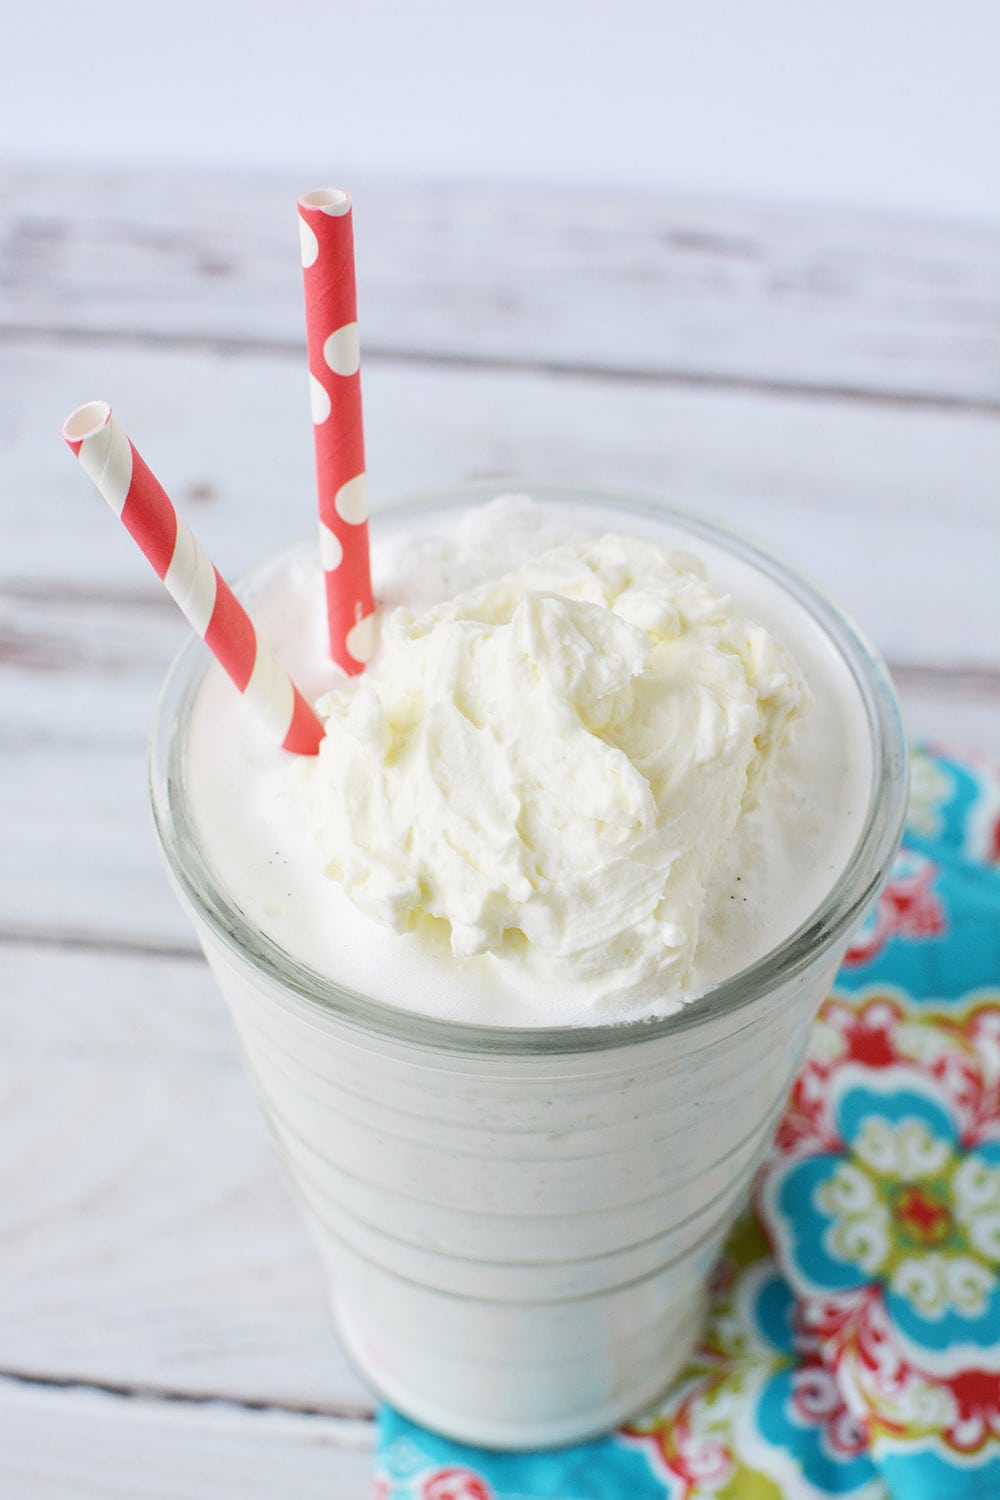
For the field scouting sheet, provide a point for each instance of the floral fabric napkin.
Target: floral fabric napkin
(853, 1343)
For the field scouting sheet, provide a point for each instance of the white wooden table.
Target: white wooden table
(831, 385)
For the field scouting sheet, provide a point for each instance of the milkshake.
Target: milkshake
(524, 961)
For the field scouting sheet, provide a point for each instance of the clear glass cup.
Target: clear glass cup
(519, 1223)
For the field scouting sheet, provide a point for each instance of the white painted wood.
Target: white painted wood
(688, 290)
(147, 1239)
(895, 511)
(953, 712)
(80, 858)
(86, 1445)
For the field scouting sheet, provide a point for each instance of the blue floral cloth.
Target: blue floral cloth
(852, 1347)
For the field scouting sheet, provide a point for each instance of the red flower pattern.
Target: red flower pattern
(908, 907)
(456, 1484)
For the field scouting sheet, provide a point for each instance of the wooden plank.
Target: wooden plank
(830, 384)
(147, 1240)
(87, 1445)
(959, 713)
(894, 511)
(81, 863)
(676, 290)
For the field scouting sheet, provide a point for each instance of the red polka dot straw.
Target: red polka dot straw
(326, 229)
(137, 497)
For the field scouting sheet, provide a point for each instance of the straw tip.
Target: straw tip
(330, 200)
(84, 421)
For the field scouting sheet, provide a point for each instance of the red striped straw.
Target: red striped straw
(137, 497)
(326, 228)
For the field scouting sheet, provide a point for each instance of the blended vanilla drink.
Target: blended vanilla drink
(524, 961)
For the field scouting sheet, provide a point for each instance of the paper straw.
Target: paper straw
(326, 229)
(139, 500)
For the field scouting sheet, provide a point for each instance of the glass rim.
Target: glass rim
(848, 898)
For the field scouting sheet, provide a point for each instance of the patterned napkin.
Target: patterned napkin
(853, 1343)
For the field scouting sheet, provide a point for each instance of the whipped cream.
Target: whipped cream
(659, 764)
(551, 763)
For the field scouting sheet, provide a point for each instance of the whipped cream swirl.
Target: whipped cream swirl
(548, 766)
